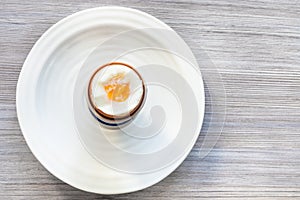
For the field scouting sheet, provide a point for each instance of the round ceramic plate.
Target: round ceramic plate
(53, 118)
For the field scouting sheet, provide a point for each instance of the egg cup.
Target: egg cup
(111, 120)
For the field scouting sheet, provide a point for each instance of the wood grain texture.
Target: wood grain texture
(256, 48)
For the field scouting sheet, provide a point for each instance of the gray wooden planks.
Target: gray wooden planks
(256, 48)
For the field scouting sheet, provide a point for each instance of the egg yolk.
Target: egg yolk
(116, 88)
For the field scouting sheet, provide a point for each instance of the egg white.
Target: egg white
(100, 96)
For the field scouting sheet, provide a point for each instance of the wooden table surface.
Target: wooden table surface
(254, 44)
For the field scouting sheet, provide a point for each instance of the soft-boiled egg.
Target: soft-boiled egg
(116, 90)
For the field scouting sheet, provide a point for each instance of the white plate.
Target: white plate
(45, 94)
